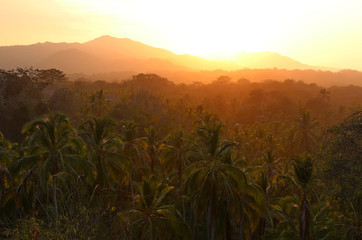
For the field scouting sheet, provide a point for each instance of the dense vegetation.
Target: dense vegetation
(149, 159)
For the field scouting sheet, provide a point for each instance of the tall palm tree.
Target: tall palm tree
(266, 178)
(303, 169)
(7, 155)
(214, 183)
(174, 154)
(51, 150)
(324, 95)
(154, 215)
(174, 157)
(102, 149)
(152, 146)
(305, 131)
(134, 148)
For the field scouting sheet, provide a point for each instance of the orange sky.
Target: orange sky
(318, 32)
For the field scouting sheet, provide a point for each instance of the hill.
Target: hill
(106, 53)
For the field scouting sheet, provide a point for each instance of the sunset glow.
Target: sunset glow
(180, 119)
(324, 33)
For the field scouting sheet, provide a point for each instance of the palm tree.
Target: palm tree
(154, 216)
(324, 95)
(152, 146)
(303, 169)
(97, 104)
(51, 151)
(7, 154)
(267, 175)
(134, 148)
(214, 183)
(305, 131)
(174, 154)
(287, 198)
(102, 149)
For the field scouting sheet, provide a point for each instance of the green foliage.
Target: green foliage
(303, 169)
(342, 167)
(78, 226)
(102, 149)
(154, 215)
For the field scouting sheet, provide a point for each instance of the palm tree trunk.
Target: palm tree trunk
(100, 176)
(131, 181)
(211, 220)
(131, 185)
(260, 230)
(152, 164)
(213, 230)
(213, 211)
(180, 173)
(194, 220)
(304, 219)
(55, 202)
(152, 160)
(183, 209)
(241, 231)
(208, 222)
(228, 227)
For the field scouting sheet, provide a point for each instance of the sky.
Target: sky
(314, 32)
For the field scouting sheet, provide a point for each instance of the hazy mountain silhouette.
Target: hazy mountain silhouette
(111, 47)
(267, 60)
(30, 55)
(108, 53)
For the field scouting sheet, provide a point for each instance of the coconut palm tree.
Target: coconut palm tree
(51, 152)
(102, 149)
(305, 132)
(154, 215)
(215, 184)
(152, 146)
(267, 176)
(134, 148)
(7, 155)
(174, 159)
(293, 208)
(303, 170)
(324, 95)
(174, 153)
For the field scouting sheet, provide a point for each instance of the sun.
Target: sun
(210, 29)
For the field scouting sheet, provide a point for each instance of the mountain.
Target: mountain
(107, 54)
(267, 60)
(109, 47)
(30, 55)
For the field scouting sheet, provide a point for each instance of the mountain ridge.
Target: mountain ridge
(107, 53)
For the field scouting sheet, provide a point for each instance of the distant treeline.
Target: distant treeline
(148, 97)
(320, 77)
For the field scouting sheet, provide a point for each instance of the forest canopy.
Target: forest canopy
(146, 158)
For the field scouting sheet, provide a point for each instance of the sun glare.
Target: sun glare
(220, 29)
(324, 32)
(203, 28)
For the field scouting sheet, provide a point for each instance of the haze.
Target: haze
(319, 33)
